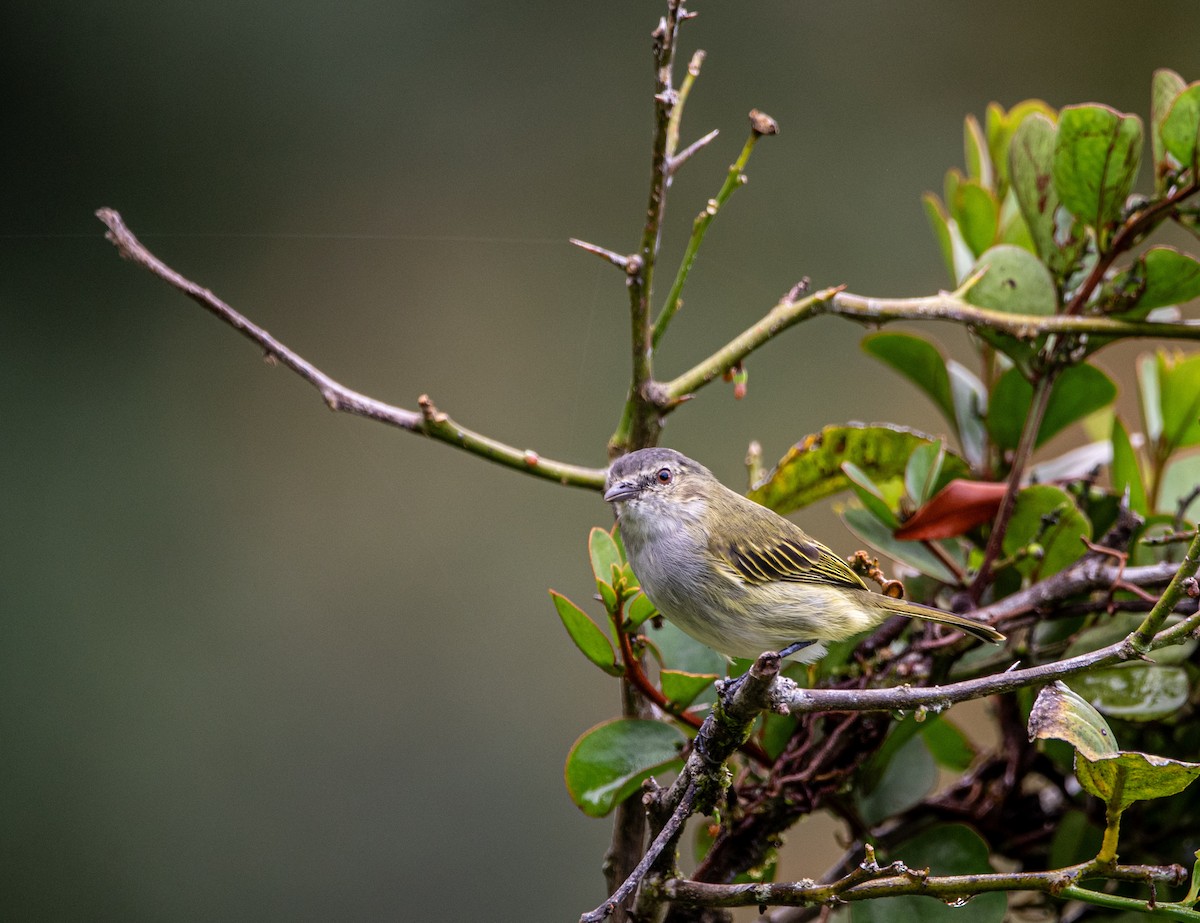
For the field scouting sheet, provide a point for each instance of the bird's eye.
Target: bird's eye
(664, 475)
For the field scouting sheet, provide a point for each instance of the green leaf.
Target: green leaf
(1130, 776)
(923, 469)
(1181, 128)
(949, 746)
(1048, 517)
(639, 610)
(1165, 87)
(976, 155)
(604, 555)
(1160, 276)
(1002, 126)
(869, 495)
(1126, 470)
(1117, 628)
(870, 530)
(1078, 391)
(939, 224)
(682, 652)
(682, 688)
(609, 763)
(1135, 691)
(587, 635)
(919, 361)
(1149, 391)
(970, 412)
(945, 849)
(1016, 282)
(1031, 166)
(1061, 714)
(1179, 399)
(1179, 484)
(903, 777)
(1096, 158)
(977, 214)
(812, 469)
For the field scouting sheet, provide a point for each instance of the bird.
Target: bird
(737, 576)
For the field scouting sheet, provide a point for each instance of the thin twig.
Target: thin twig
(428, 421)
(733, 179)
(1021, 458)
(1133, 230)
(1148, 634)
(901, 698)
(885, 882)
(944, 306)
(670, 830)
(678, 160)
(621, 262)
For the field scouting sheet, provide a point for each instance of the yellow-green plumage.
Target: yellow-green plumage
(735, 575)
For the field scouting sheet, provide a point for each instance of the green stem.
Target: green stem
(1146, 636)
(733, 179)
(1021, 458)
(785, 314)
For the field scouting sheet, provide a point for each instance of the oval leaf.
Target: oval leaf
(1135, 691)
(1060, 714)
(1126, 474)
(812, 468)
(1181, 127)
(1015, 281)
(1165, 87)
(587, 635)
(682, 688)
(1131, 776)
(1161, 276)
(1048, 517)
(1179, 399)
(608, 763)
(604, 555)
(1031, 164)
(870, 530)
(939, 224)
(1078, 391)
(640, 609)
(970, 411)
(919, 361)
(923, 470)
(869, 495)
(954, 510)
(1096, 158)
(977, 213)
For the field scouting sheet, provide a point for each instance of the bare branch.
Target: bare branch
(871, 881)
(621, 262)
(678, 160)
(944, 306)
(760, 124)
(429, 421)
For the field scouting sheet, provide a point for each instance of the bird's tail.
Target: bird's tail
(971, 626)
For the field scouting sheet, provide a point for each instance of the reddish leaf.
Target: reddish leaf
(956, 508)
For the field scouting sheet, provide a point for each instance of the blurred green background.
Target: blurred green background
(264, 662)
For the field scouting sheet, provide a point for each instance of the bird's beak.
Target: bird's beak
(622, 490)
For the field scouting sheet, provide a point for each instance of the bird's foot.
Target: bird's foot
(730, 686)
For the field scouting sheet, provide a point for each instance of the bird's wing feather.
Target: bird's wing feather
(773, 554)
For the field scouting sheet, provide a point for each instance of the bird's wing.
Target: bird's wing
(793, 558)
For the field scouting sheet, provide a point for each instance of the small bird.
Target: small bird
(737, 576)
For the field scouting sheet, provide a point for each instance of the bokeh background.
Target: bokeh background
(263, 662)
